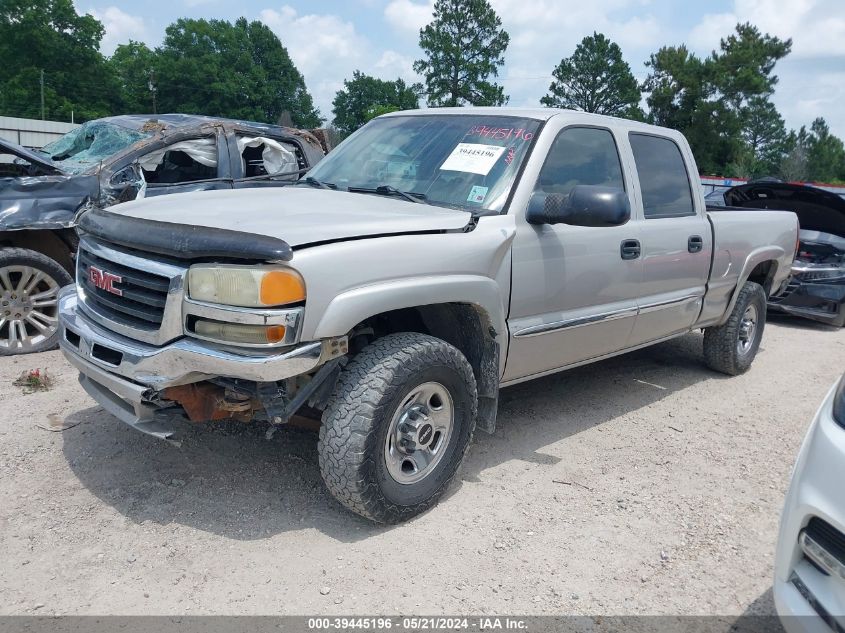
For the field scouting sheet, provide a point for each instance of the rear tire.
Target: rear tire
(732, 347)
(29, 288)
(397, 426)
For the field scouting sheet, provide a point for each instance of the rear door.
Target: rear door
(258, 154)
(675, 236)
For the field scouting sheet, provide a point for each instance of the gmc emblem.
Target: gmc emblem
(105, 280)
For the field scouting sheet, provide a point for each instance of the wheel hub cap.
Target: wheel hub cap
(419, 433)
(28, 307)
(747, 329)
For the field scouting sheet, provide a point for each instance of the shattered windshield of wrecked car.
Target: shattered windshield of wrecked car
(466, 161)
(90, 144)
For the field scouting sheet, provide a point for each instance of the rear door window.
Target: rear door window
(664, 181)
(263, 155)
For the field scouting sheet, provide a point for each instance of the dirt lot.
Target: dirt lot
(644, 484)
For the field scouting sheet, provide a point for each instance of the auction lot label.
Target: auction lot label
(473, 158)
(410, 623)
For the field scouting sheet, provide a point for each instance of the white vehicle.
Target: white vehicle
(809, 588)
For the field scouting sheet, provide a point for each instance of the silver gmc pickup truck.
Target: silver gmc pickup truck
(434, 257)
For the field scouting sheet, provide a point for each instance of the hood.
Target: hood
(296, 215)
(817, 209)
(33, 157)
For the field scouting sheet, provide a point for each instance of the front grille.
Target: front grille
(831, 539)
(142, 297)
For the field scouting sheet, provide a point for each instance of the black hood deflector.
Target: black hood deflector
(183, 241)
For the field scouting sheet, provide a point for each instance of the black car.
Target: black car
(113, 160)
(817, 287)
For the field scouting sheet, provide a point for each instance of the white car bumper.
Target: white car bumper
(809, 589)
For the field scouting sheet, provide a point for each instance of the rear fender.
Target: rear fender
(777, 274)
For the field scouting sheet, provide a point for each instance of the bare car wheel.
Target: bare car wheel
(29, 289)
(397, 427)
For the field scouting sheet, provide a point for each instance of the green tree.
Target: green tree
(681, 97)
(825, 154)
(135, 66)
(50, 36)
(709, 100)
(595, 79)
(363, 96)
(238, 70)
(464, 47)
(765, 137)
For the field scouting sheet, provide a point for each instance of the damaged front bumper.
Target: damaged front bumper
(127, 377)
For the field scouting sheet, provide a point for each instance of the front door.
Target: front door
(574, 290)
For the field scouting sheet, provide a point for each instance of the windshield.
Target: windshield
(90, 144)
(465, 161)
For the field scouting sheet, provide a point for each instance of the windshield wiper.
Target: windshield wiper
(313, 182)
(279, 174)
(390, 190)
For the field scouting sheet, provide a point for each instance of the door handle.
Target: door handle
(695, 244)
(629, 249)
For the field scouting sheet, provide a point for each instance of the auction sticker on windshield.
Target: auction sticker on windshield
(473, 158)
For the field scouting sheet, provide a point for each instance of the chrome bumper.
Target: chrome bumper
(124, 375)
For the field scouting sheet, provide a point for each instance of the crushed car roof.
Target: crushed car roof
(160, 122)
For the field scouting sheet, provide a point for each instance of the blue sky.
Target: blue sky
(329, 39)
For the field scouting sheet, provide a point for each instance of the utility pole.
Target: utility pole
(152, 85)
(42, 94)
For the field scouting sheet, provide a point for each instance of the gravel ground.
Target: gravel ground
(643, 484)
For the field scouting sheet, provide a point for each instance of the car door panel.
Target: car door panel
(676, 241)
(573, 296)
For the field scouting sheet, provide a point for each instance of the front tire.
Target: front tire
(732, 347)
(398, 424)
(29, 289)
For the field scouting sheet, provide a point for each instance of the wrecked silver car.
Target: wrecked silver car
(113, 160)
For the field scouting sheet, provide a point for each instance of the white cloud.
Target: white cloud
(409, 16)
(817, 27)
(120, 27)
(392, 65)
(316, 42)
(327, 49)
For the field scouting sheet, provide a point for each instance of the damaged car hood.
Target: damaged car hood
(817, 209)
(29, 155)
(42, 202)
(299, 216)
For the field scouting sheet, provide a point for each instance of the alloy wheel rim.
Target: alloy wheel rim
(747, 329)
(419, 433)
(28, 307)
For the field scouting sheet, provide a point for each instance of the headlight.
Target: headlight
(247, 287)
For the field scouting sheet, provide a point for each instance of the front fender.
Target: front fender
(348, 309)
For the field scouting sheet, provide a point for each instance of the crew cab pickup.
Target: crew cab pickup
(434, 257)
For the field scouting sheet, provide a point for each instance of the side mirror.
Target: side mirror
(586, 205)
(126, 184)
